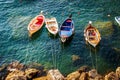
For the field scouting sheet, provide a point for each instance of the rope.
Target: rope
(91, 57)
(96, 57)
(53, 60)
(61, 56)
(55, 54)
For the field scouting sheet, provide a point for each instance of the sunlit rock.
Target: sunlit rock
(99, 77)
(30, 73)
(83, 76)
(111, 76)
(92, 73)
(118, 72)
(84, 69)
(105, 28)
(16, 75)
(55, 75)
(15, 66)
(41, 78)
(73, 76)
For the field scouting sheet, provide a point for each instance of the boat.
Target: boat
(117, 19)
(36, 24)
(52, 25)
(66, 29)
(92, 35)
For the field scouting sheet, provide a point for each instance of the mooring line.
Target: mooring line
(91, 58)
(96, 57)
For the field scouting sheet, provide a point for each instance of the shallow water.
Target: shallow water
(15, 44)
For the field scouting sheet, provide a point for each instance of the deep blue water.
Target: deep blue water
(15, 43)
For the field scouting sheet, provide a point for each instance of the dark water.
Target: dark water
(15, 44)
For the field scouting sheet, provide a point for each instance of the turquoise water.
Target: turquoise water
(15, 44)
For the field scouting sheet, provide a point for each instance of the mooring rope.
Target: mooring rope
(55, 55)
(96, 57)
(91, 58)
(52, 55)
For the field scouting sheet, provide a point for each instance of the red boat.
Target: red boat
(36, 24)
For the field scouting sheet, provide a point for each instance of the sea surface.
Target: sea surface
(47, 50)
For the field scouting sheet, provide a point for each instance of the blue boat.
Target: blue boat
(66, 29)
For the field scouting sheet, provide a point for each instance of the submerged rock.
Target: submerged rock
(105, 28)
(75, 57)
(55, 75)
(16, 75)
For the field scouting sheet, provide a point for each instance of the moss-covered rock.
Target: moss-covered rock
(105, 28)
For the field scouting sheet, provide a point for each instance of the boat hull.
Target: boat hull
(93, 37)
(117, 19)
(36, 24)
(52, 25)
(66, 29)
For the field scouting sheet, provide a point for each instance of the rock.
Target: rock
(36, 66)
(117, 50)
(111, 76)
(3, 71)
(39, 67)
(15, 66)
(83, 69)
(16, 75)
(99, 77)
(41, 78)
(73, 76)
(92, 73)
(118, 72)
(75, 57)
(30, 73)
(83, 76)
(105, 28)
(55, 75)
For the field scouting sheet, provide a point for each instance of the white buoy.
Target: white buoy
(90, 22)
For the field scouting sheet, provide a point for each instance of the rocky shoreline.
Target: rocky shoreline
(19, 71)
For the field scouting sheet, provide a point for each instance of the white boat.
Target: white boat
(117, 19)
(52, 25)
(92, 35)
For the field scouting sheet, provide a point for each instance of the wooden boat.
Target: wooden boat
(36, 24)
(117, 19)
(52, 25)
(92, 35)
(66, 29)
